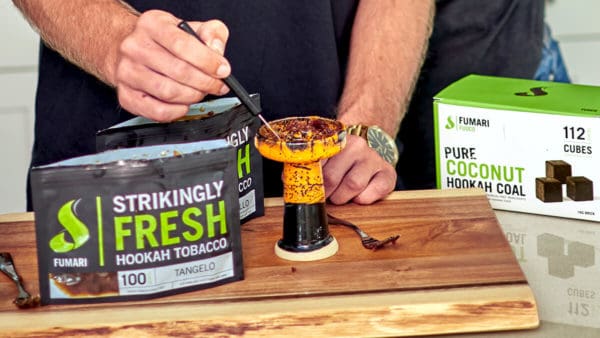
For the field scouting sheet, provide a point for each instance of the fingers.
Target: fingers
(162, 86)
(162, 69)
(358, 174)
(381, 185)
(207, 57)
(214, 33)
(142, 104)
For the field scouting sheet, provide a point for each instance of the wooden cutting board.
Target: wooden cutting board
(451, 271)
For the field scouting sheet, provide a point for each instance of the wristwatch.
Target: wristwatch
(378, 140)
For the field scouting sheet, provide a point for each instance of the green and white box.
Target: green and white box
(531, 145)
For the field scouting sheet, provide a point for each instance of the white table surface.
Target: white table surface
(561, 260)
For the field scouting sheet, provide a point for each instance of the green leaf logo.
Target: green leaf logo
(78, 232)
(535, 91)
(450, 123)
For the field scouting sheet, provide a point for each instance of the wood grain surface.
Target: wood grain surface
(452, 270)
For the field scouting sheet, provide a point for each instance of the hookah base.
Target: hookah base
(305, 256)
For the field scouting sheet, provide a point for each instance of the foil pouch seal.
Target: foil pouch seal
(222, 118)
(137, 223)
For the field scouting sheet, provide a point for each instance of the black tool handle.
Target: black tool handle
(230, 81)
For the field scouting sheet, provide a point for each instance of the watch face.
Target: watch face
(383, 144)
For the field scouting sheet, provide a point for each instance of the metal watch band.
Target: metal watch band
(358, 130)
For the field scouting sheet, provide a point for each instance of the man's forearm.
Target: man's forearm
(86, 32)
(388, 46)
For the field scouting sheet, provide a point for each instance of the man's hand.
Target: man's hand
(157, 68)
(161, 70)
(358, 174)
(382, 71)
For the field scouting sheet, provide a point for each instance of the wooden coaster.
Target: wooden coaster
(322, 253)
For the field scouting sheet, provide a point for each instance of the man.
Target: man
(103, 59)
(498, 38)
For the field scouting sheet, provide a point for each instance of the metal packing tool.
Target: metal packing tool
(367, 241)
(233, 84)
(24, 299)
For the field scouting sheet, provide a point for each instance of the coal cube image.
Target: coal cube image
(580, 188)
(548, 189)
(558, 169)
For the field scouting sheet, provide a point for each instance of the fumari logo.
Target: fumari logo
(76, 230)
(561, 264)
(449, 123)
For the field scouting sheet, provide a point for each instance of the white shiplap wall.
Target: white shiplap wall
(576, 26)
(574, 23)
(18, 76)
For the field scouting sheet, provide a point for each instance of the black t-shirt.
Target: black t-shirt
(294, 54)
(500, 37)
(291, 52)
